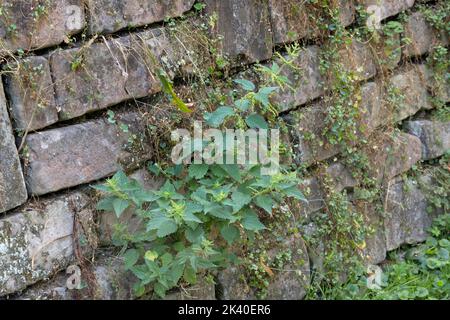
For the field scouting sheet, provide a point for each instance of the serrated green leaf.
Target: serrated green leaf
(232, 170)
(216, 118)
(130, 257)
(166, 228)
(119, 206)
(245, 84)
(294, 192)
(240, 200)
(190, 275)
(198, 171)
(230, 233)
(250, 221)
(106, 204)
(196, 235)
(256, 121)
(265, 202)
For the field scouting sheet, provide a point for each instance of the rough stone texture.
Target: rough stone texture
(439, 89)
(375, 250)
(435, 136)
(407, 218)
(394, 155)
(341, 177)
(293, 20)
(12, 185)
(306, 79)
(358, 59)
(112, 282)
(314, 194)
(37, 241)
(70, 156)
(387, 50)
(244, 27)
(29, 87)
(233, 285)
(35, 30)
(306, 127)
(292, 282)
(409, 87)
(373, 108)
(288, 284)
(388, 7)
(108, 220)
(107, 16)
(109, 72)
(423, 37)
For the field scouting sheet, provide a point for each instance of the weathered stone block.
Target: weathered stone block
(306, 80)
(314, 194)
(393, 155)
(422, 36)
(375, 249)
(56, 162)
(407, 219)
(341, 177)
(12, 185)
(36, 24)
(112, 282)
(107, 16)
(293, 20)
(358, 59)
(36, 242)
(306, 127)
(32, 98)
(434, 135)
(385, 8)
(286, 284)
(101, 75)
(408, 92)
(373, 108)
(244, 27)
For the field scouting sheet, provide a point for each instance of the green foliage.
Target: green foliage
(168, 89)
(421, 272)
(182, 218)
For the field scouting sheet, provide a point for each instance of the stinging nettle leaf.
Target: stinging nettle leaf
(245, 84)
(265, 202)
(256, 121)
(119, 206)
(216, 118)
(230, 233)
(250, 221)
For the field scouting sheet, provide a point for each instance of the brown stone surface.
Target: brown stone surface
(29, 87)
(107, 16)
(12, 185)
(434, 135)
(306, 80)
(244, 27)
(36, 241)
(393, 155)
(293, 20)
(81, 153)
(422, 36)
(101, 75)
(36, 24)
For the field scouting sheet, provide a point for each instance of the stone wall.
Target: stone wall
(65, 62)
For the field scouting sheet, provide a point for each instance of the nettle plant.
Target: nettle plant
(190, 224)
(192, 221)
